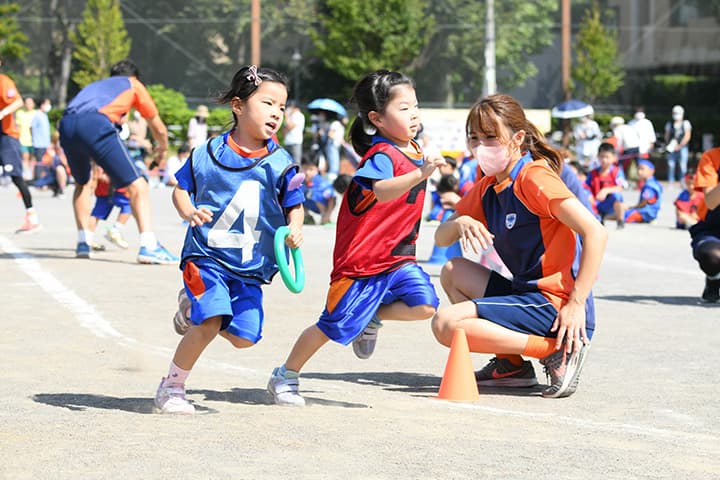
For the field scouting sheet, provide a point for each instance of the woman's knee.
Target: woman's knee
(443, 326)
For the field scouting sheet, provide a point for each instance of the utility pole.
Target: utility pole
(255, 31)
(566, 49)
(490, 83)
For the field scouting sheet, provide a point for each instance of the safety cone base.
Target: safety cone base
(458, 382)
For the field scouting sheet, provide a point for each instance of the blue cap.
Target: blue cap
(646, 163)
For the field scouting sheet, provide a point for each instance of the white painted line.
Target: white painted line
(659, 267)
(87, 316)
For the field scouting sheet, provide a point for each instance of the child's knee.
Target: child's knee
(425, 311)
(239, 342)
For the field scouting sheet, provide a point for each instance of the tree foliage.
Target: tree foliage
(354, 38)
(100, 41)
(12, 40)
(521, 29)
(597, 73)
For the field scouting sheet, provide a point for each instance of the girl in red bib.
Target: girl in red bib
(375, 275)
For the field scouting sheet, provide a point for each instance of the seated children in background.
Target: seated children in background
(319, 193)
(648, 205)
(106, 197)
(606, 185)
(173, 165)
(687, 203)
(436, 207)
(342, 182)
(52, 171)
(445, 196)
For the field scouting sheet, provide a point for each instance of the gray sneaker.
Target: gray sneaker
(364, 344)
(500, 372)
(563, 371)
(285, 388)
(181, 320)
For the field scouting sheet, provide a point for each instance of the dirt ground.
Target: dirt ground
(84, 344)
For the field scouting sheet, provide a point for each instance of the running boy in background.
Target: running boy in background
(235, 194)
(11, 154)
(687, 204)
(319, 193)
(550, 242)
(90, 130)
(107, 197)
(650, 200)
(375, 275)
(606, 185)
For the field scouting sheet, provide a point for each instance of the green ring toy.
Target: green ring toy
(297, 283)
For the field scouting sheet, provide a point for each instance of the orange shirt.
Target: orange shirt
(708, 170)
(8, 94)
(541, 252)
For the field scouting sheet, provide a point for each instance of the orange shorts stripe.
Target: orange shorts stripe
(193, 280)
(337, 291)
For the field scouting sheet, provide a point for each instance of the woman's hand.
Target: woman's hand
(570, 327)
(473, 234)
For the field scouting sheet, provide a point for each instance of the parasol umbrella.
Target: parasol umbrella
(329, 105)
(572, 109)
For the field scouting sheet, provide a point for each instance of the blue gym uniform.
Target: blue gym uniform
(225, 261)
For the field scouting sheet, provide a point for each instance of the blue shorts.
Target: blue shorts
(352, 302)
(10, 156)
(91, 136)
(525, 312)
(606, 207)
(214, 292)
(104, 205)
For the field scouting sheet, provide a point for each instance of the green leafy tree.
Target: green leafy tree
(597, 72)
(12, 40)
(100, 41)
(453, 59)
(354, 38)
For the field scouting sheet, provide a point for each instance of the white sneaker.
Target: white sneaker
(181, 320)
(171, 399)
(364, 344)
(116, 237)
(284, 389)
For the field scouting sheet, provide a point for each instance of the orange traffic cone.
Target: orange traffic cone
(458, 382)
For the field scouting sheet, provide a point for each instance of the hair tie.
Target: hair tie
(252, 75)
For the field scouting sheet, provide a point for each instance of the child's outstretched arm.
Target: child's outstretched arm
(186, 209)
(391, 188)
(295, 217)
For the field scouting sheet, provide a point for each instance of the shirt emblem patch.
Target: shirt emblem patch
(510, 219)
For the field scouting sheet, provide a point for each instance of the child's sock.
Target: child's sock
(148, 240)
(539, 347)
(176, 375)
(32, 215)
(118, 227)
(284, 372)
(516, 360)
(85, 236)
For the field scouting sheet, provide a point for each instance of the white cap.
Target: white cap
(615, 121)
(677, 109)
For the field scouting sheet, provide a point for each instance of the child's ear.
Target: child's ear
(236, 105)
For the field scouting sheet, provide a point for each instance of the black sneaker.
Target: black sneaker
(500, 372)
(711, 294)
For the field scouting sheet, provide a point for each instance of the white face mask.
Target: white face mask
(639, 116)
(492, 160)
(47, 108)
